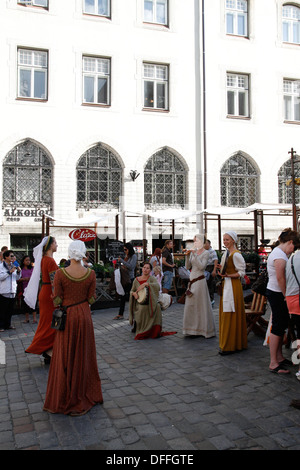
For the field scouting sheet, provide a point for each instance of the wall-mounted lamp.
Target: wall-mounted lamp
(134, 174)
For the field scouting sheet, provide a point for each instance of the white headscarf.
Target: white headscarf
(31, 291)
(233, 235)
(77, 250)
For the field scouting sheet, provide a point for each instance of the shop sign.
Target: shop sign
(83, 234)
(14, 214)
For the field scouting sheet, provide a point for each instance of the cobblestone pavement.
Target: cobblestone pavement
(168, 394)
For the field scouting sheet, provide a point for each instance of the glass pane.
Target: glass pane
(89, 6)
(102, 91)
(230, 102)
(297, 109)
(89, 96)
(41, 3)
(161, 12)
(296, 35)
(161, 96)
(285, 31)
(288, 108)
(103, 7)
(241, 25)
(229, 23)
(25, 83)
(148, 11)
(148, 94)
(39, 84)
(242, 104)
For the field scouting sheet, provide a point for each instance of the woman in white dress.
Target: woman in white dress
(198, 317)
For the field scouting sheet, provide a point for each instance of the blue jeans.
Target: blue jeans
(167, 280)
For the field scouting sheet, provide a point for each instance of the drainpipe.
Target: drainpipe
(204, 112)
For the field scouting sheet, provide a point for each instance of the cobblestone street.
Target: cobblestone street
(167, 394)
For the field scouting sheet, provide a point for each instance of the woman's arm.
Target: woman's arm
(280, 265)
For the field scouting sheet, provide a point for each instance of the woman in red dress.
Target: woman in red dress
(44, 336)
(74, 385)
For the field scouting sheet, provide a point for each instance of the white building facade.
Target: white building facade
(252, 86)
(123, 109)
(91, 92)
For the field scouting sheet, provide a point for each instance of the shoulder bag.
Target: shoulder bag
(59, 316)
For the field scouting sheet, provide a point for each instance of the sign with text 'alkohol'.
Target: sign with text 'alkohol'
(83, 234)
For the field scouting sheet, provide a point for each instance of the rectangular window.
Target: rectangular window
(237, 95)
(34, 3)
(32, 74)
(236, 17)
(291, 99)
(156, 11)
(96, 80)
(97, 7)
(156, 84)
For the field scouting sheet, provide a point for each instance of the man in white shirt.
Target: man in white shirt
(9, 275)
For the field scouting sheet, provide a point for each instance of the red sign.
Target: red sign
(83, 234)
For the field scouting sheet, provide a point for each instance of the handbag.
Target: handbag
(59, 316)
(293, 270)
(125, 278)
(188, 291)
(165, 301)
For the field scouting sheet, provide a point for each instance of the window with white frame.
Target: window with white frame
(237, 95)
(34, 3)
(291, 99)
(156, 81)
(96, 80)
(291, 24)
(156, 11)
(239, 182)
(97, 7)
(165, 180)
(32, 74)
(236, 17)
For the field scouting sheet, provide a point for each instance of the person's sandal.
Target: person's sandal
(119, 317)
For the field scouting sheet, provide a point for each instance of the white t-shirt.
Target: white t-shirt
(277, 253)
(292, 287)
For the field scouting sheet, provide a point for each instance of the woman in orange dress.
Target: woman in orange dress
(74, 385)
(44, 336)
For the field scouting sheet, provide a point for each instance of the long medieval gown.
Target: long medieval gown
(44, 335)
(198, 317)
(232, 318)
(148, 318)
(74, 384)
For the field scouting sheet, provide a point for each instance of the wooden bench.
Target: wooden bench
(254, 313)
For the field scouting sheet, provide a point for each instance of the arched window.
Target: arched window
(239, 182)
(291, 24)
(27, 176)
(284, 183)
(99, 179)
(164, 181)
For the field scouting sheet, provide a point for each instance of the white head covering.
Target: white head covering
(77, 250)
(31, 291)
(233, 235)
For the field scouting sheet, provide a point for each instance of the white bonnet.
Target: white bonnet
(77, 250)
(233, 235)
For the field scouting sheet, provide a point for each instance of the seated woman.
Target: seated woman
(146, 316)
